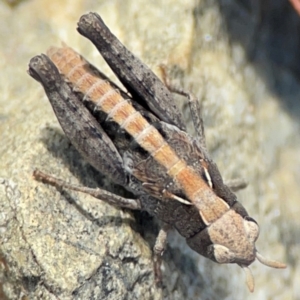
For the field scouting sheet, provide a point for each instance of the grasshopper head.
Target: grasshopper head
(231, 239)
(243, 251)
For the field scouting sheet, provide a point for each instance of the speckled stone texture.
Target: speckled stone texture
(241, 59)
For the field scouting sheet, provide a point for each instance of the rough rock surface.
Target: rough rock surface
(241, 59)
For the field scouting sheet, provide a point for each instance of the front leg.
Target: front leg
(158, 249)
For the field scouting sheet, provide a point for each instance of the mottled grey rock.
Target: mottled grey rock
(66, 245)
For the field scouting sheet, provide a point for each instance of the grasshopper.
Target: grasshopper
(138, 139)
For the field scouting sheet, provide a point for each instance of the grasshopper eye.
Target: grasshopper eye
(222, 254)
(252, 229)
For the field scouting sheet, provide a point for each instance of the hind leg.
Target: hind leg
(194, 106)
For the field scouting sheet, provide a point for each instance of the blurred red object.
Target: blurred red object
(296, 5)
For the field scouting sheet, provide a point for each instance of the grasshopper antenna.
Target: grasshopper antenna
(269, 262)
(249, 278)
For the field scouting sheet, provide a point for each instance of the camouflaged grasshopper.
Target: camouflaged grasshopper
(139, 141)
